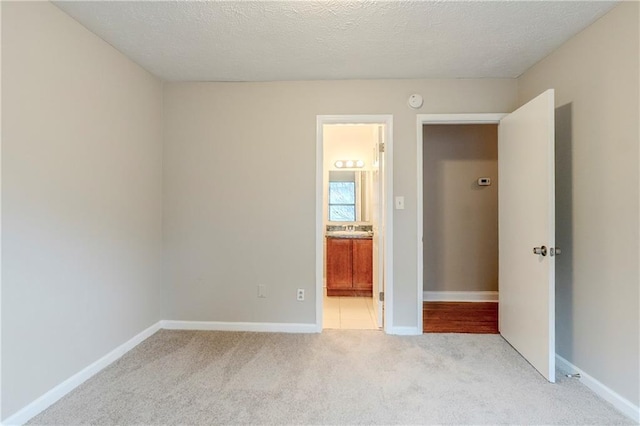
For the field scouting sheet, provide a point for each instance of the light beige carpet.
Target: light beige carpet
(337, 377)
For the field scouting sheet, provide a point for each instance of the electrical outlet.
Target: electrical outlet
(262, 291)
(300, 295)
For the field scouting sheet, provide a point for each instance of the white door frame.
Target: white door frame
(421, 120)
(387, 121)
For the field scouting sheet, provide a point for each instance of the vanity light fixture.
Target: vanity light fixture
(349, 164)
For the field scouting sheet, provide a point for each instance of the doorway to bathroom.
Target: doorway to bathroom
(353, 256)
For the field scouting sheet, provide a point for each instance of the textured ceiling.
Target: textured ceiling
(319, 40)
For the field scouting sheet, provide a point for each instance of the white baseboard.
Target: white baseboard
(46, 400)
(622, 404)
(405, 331)
(270, 327)
(460, 296)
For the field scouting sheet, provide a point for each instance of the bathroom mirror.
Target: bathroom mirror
(348, 196)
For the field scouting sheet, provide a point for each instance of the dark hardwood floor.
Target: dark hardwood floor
(460, 317)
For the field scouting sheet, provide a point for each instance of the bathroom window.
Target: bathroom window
(342, 201)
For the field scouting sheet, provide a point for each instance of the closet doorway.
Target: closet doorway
(460, 222)
(526, 224)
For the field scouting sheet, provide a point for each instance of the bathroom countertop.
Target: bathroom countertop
(350, 234)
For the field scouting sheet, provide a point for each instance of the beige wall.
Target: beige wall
(237, 214)
(81, 200)
(460, 217)
(595, 76)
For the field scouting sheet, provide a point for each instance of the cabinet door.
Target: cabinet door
(362, 264)
(339, 258)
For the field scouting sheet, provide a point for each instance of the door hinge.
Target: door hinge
(381, 296)
(381, 147)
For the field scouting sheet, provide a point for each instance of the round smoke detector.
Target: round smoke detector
(415, 101)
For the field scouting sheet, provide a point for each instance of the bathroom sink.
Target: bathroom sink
(350, 234)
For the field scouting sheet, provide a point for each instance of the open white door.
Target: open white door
(378, 232)
(526, 197)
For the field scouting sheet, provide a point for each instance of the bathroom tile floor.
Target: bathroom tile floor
(349, 313)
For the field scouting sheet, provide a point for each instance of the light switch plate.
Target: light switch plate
(400, 203)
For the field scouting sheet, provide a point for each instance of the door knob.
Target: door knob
(555, 251)
(540, 250)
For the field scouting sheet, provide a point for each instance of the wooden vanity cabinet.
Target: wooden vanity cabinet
(349, 267)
